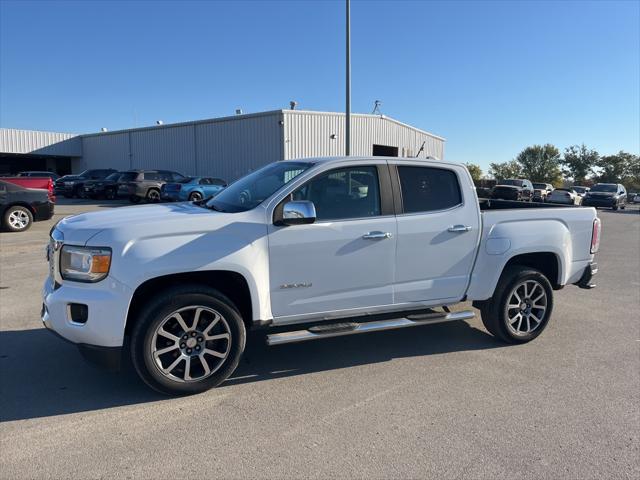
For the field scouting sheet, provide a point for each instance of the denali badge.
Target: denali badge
(296, 285)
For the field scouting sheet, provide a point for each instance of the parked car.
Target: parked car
(191, 188)
(567, 196)
(106, 188)
(145, 184)
(310, 249)
(72, 185)
(513, 189)
(42, 183)
(580, 190)
(609, 195)
(20, 207)
(541, 191)
(633, 197)
(53, 176)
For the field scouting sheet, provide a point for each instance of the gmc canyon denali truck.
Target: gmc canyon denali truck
(308, 249)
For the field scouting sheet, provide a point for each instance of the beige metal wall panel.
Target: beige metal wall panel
(230, 149)
(167, 148)
(39, 143)
(106, 151)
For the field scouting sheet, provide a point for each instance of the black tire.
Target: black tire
(615, 207)
(623, 206)
(195, 196)
(110, 194)
(17, 218)
(494, 311)
(134, 199)
(153, 195)
(157, 312)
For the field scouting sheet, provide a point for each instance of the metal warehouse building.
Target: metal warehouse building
(227, 147)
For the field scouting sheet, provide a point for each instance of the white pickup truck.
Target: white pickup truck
(308, 249)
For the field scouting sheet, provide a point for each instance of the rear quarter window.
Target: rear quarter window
(428, 189)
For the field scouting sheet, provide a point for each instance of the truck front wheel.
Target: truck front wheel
(521, 306)
(189, 339)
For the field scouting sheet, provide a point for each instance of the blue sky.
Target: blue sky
(491, 77)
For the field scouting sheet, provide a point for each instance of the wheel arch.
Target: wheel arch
(231, 284)
(549, 263)
(18, 204)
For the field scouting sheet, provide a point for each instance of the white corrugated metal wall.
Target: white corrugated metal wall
(310, 134)
(226, 147)
(39, 143)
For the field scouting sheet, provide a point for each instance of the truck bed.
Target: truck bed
(490, 204)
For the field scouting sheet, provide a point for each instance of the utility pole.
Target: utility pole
(347, 130)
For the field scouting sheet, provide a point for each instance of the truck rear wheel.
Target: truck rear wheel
(189, 339)
(521, 306)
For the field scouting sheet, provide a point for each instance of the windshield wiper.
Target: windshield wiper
(214, 207)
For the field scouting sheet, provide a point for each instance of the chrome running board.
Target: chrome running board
(351, 328)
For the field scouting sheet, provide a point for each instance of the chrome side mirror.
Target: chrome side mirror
(298, 212)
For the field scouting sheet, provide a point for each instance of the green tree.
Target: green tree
(475, 171)
(541, 163)
(578, 162)
(510, 169)
(618, 168)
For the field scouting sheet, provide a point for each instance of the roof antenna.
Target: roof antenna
(421, 149)
(376, 108)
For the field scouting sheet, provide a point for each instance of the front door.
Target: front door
(344, 261)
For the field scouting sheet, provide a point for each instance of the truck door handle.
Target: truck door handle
(377, 235)
(459, 228)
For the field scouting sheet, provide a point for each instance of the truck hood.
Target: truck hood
(138, 220)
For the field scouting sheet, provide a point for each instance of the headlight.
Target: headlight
(84, 264)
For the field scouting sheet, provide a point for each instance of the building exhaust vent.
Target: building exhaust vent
(104, 129)
(293, 104)
(159, 122)
(238, 111)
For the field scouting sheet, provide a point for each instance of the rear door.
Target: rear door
(438, 231)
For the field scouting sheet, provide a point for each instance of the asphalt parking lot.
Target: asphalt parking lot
(436, 401)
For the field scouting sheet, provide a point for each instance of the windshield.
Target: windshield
(604, 187)
(251, 190)
(541, 186)
(515, 183)
(184, 180)
(580, 189)
(113, 177)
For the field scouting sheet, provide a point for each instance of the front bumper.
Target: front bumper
(170, 196)
(107, 303)
(599, 202)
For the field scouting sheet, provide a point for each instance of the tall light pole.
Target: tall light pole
(347, 130)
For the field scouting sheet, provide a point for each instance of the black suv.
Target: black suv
(145, 184)
(72, 185)
(611, 195)
(107, 187)
(513, 189)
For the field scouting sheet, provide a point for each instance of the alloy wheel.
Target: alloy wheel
(191, 343)
(18, 219)
(527, 306)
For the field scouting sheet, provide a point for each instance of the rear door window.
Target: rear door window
(427, 189)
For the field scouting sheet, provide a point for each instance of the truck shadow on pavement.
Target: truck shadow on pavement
(41, 376)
